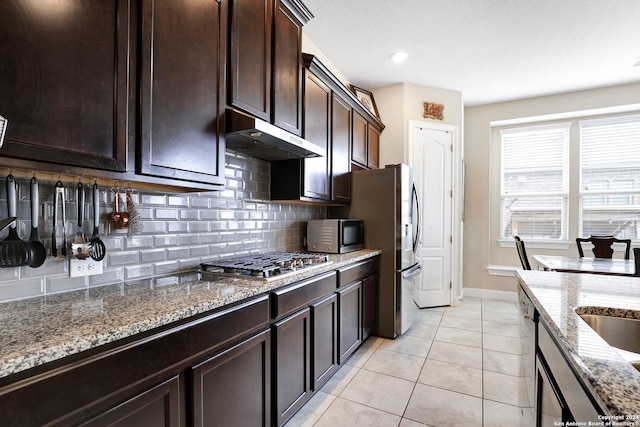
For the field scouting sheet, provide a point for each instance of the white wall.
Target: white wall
(402, 102)
(480, 248)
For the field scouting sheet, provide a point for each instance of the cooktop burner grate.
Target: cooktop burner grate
(265, 266)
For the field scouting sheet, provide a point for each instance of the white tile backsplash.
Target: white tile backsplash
(179, 230)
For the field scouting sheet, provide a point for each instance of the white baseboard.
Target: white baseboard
(489, 294)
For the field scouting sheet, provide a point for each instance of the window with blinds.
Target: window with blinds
(610, 177)
(534, 186)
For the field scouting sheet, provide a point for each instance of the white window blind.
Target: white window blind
(610, 177)
(534, 188)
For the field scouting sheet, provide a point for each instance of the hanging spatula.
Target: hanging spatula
(13, 251)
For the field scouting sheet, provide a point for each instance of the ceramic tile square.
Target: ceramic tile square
(462, 323)
(499, 328)
(443, 408)
(502, 343)
(340, 380)
(459, 336)
(430, 317)
(423, 330)
(456, 354)
(399, 365)
(379, 391)
(506, 307)
(408, 344)
(511, 319)
(461, 379)
(342, 413)
(504, 363)
(467, 313)
(500, 414)
(311, 412)
(410, 423)
(364, 352)
(504, 388)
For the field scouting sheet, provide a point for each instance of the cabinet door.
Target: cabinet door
(64, 74)
(233, 388)
(292, 372)
(250, 35)
(159, 406)
(182, 75)
(287, 70)
(373, 147)
(317, 107)
(369, 306)
(359, 140)
(340, 150)
(350, 326)
(550, 409)
(324, 339)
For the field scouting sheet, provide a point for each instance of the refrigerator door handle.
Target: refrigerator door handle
(414, 196)
(412, 271)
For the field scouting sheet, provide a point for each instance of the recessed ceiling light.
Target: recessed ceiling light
(399, 57)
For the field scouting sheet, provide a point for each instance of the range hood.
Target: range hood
(257, 138)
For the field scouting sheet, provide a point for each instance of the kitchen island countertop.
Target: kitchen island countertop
(610, 379)
(38, 330)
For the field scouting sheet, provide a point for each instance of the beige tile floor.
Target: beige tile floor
(456, 366)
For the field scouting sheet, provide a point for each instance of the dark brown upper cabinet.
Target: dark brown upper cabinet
(265, 70)
(340, 148)
(333, 119)
(182, 90)
(250, 35)
(366, 142)
(64, 78)
(308, 179)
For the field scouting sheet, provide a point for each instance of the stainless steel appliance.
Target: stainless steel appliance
(335, 236)
(269, 266)
(257, 138)
(386, 200)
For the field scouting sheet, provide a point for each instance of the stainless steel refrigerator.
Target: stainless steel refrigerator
(386, 200)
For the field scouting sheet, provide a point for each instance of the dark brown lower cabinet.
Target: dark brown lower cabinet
(561, 397)
(551, 409)
(292, 369)
(159, 406)
(253, 363)
(369, 306)
(324, 339)
(233, 388)
(350, 327)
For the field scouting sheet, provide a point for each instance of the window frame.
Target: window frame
(564, 193)
(573, 208)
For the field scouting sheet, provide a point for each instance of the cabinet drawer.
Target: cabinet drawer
(357, 272)
(578, 400)
(79, 389)
(288, 299)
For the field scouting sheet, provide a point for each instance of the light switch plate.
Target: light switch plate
(84, 267)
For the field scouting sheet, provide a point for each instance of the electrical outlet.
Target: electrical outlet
(84, 267)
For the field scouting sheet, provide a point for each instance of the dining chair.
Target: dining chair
(602, 246)
(522, 253)
(636, 261)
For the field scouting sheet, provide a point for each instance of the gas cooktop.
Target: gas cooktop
(269, 266)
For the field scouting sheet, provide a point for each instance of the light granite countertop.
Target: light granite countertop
(612, 381)
(39, 330)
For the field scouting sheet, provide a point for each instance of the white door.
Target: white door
(432, 162)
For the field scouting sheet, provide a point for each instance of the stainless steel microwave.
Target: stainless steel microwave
(335, 236)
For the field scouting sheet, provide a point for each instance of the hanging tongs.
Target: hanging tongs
(60, 200)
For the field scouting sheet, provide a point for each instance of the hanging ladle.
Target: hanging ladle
(37, 251)
(97, 250)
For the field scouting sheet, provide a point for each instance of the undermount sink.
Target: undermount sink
(623, 333)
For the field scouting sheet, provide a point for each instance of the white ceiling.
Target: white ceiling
(490, 50)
